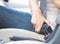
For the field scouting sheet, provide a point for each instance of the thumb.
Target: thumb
(47, 22)
(38, 27)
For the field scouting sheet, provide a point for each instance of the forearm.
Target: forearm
(57, 3)
(37, 17)
(34, 6)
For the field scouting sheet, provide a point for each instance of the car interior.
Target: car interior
(21, 36)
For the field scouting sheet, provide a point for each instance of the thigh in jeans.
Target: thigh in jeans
(14, 19)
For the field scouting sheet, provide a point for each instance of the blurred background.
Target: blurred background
(19, 5)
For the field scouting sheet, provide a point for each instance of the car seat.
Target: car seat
(5, 35)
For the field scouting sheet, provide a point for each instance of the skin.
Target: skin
(37, 18)
(57, 3)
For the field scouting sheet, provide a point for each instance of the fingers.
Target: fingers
(39, 24)
(47, 22)
(38, 27)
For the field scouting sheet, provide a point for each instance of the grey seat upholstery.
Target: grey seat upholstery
(25, 42)
(55, 39)
(5, 34)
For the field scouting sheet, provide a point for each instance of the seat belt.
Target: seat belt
(43, 7)
(46, 29)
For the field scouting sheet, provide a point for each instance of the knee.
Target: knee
(1, 7)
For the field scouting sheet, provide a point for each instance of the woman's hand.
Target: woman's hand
(38, 21)
(37, 17)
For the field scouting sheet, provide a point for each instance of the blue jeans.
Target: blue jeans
(14, 19)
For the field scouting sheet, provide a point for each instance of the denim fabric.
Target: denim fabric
(15, 19)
